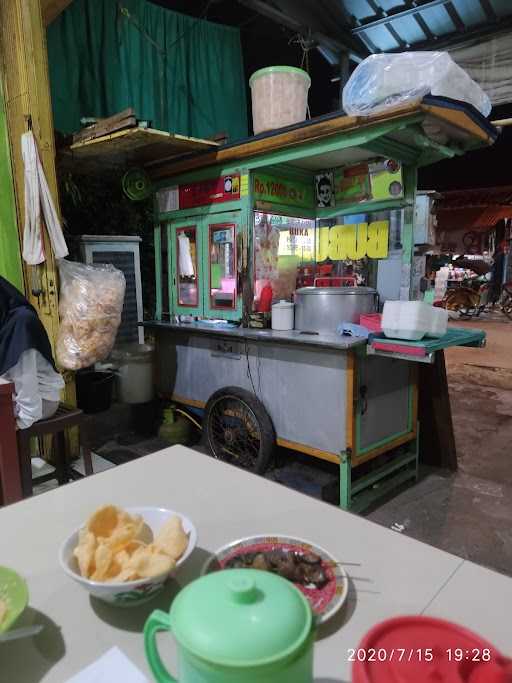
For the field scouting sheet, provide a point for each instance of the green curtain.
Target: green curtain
(183, 74)
(10, 258)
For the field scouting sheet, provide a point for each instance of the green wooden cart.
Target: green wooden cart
(332, 194)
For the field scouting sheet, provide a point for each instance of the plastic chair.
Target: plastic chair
(66, 417)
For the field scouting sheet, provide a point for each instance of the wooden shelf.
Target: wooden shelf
(134, 146)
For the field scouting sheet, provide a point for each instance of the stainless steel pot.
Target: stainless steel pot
(322, 309)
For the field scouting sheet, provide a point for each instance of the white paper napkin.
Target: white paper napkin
(114, 665)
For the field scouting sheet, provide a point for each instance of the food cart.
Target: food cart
(331, 198)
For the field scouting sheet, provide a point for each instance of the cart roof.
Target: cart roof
(418, 134)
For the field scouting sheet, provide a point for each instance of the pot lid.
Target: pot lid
(241, 617)
(336, 290)
(422, 634)
(283, 304)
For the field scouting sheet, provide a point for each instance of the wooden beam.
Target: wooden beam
(52, 8)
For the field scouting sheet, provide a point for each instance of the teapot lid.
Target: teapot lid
(241, 617)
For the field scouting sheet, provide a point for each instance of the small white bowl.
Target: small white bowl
(128, 593)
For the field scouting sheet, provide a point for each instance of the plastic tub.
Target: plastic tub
(439, 322)
(410, 320)
(283, 315)
(94, 391)
(134, 363)
(279, 97)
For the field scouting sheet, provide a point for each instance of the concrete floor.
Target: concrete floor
(469, 513)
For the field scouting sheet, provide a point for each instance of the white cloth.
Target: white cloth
(37, 194)
(37, 388)
(185, 256)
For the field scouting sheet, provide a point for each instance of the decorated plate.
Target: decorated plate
(320, 577)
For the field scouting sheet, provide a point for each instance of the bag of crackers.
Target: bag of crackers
(91, 303)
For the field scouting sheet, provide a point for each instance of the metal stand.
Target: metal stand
(359, 495)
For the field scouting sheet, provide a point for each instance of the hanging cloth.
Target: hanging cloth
(37, 194)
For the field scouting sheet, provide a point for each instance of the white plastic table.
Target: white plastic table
(396, 575)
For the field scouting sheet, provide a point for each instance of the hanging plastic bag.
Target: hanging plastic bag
(388, 80)
(91, 303)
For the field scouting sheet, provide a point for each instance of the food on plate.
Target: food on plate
(300, 567)
(117, 546)
(3, 610)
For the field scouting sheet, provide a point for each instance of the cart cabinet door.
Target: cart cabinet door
(185, 267)
(222, 295)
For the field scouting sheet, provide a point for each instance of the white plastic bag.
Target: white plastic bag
(91, 303)
(388, 80)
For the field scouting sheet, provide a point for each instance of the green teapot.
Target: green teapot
(236, 626)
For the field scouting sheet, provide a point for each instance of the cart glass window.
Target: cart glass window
(186, 249)
(283, 251)
(222, 249)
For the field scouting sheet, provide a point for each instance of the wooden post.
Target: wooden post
(437, 439)
(26, 88)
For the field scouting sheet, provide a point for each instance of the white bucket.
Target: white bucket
(283, 315)
(279, 97)
(134, 363)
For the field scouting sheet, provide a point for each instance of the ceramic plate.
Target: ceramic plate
(325, 601)
(14, 592)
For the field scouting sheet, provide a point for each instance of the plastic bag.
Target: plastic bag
(91, 304)
(388, 80)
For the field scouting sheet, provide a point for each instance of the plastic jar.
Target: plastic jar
(279, 97)
(283, 315)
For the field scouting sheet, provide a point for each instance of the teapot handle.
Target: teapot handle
(157, 621)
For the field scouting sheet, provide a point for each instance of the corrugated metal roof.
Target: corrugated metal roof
(368, 26)
(387, 25)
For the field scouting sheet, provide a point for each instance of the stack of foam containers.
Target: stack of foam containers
(413, 320)
(441, 283)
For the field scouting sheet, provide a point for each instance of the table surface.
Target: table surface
(328, 340)
(390, 574)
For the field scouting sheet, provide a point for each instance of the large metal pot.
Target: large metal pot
(322, 309)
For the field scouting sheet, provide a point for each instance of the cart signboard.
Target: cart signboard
(378, 181)
(353, 241)
(211, 191)
(277, 190)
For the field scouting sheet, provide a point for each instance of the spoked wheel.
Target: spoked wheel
(239, 430)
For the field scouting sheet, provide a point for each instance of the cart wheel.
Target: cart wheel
(239, 430)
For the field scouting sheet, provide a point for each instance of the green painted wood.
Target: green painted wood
(361, 207)
(373, 494)
(10, 256)
(208, 210)
(157, 232)
(198, 225)
(232, 217)
(284, 210)
(393, 149)
(456, 336)
(345, 481)
(377, 475)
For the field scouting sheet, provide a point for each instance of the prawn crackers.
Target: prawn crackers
(115, 546)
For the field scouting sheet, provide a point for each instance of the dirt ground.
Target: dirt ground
(469, 513)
